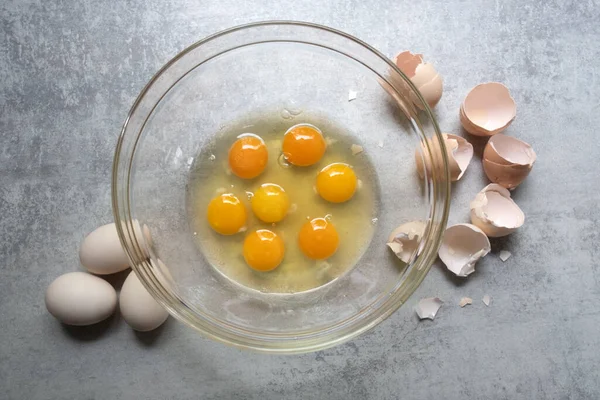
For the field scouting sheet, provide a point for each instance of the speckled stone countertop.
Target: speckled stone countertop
(70, 70)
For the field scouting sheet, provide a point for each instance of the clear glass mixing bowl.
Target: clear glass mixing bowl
(283, 66)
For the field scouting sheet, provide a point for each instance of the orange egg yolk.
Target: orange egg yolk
(270, 203)
(226, 214)
(263, 250)
(303, 145)
(248, 157)
(318, 239)
(336, 182)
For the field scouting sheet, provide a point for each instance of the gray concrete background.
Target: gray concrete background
(69, 72)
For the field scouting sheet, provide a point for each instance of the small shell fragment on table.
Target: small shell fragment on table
(465, 301)
(488, 109)
(462, 246)
(505, 255)
(486, 300)
(507, 161)
(427, 308)
(404, 240)
(352, 95)
(495, 213)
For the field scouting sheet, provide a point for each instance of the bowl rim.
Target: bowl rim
(269, 343)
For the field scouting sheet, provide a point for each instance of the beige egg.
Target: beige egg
(462, 246)
(507, 161)
(495, 213)
(488, 109)
(404, 240)
(78, 298)
(458, 150)
(138, 307)
(423, 75)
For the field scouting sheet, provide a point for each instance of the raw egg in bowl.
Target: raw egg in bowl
(263, 226)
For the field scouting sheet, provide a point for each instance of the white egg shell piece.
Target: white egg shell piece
(458, 150)
(80, 299)
(428, 308)
(462, 246)
(423, 75)
(138, 307)
(488, 109)
(404, 240)
(495, 213)
(507, 161)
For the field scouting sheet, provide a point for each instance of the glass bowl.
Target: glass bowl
(289, 68)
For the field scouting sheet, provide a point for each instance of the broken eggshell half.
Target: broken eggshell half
(507, 161)
(495, 213)
(458, 149)
(463, 245)
(404, 240)
(488, 109)
(423, 75)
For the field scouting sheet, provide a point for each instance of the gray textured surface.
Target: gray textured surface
(69, 72)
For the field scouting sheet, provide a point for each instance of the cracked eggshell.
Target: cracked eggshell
(428, 308)
(458, 149)
(405, 239)
(423, 75)
(495, 213)
(462, 246)
(507, 161)
(488, 109)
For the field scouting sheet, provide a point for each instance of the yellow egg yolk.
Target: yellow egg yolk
(336, 182)
(318, 239)
(226, 214)
(248, 156)
(270, 203)
(263, 250)
(303, 145)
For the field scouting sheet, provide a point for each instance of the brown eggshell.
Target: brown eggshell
(507, 161)
(488, 108)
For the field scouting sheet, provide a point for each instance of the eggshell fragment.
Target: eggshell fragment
(78, 298)
(428, 308)
(423, 75)
(458, 150)
(505, 255)
(507, 161)
(495, 213)
(488, 109)
(465, 301)
(138, 307)
(486, 300)
(404, 240)
(462, 246)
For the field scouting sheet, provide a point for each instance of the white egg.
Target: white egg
(138, 307)
(78, 298)
(101, 252)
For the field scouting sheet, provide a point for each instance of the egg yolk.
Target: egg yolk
(336, 183)
(318, 239)
(303, 145)
(263, 250)
(248, 156)
(226, 214)
(270, 203)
